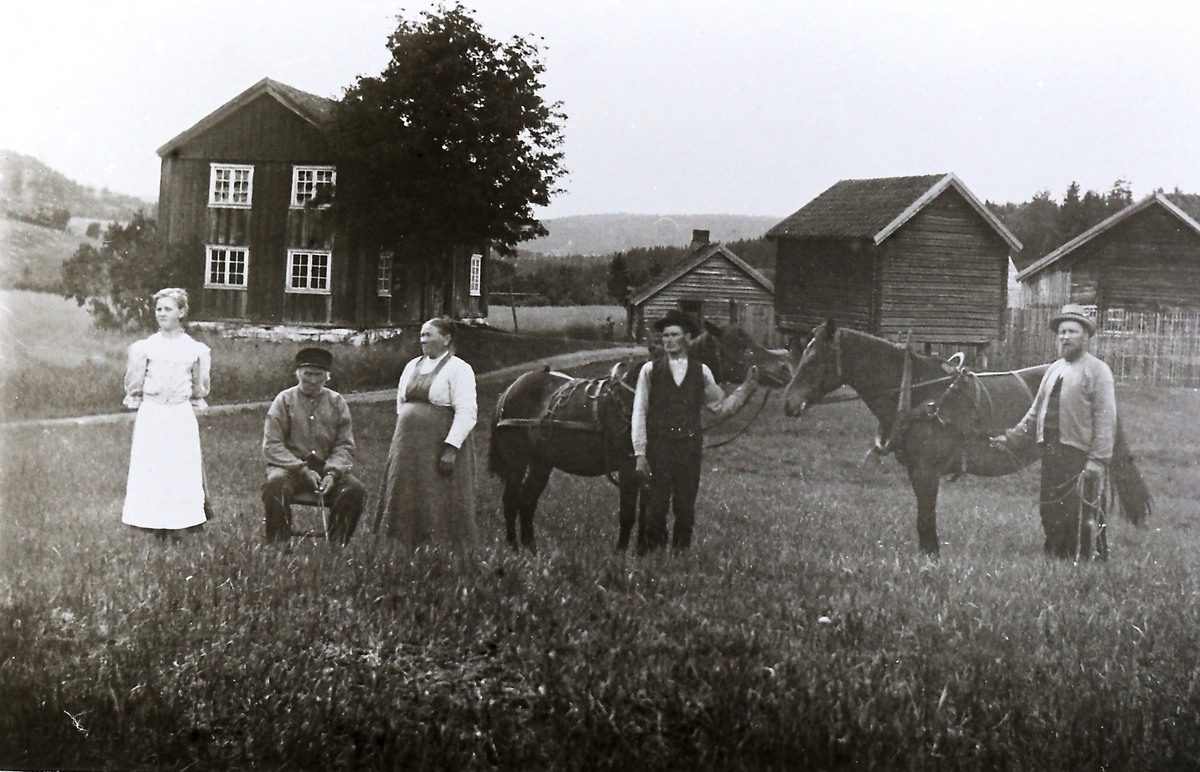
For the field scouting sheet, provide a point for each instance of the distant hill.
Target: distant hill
(27, 185)
(603, 234)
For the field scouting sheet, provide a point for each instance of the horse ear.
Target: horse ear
(710, 327)
(830, 327)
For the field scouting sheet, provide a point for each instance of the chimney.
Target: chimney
(699, 239)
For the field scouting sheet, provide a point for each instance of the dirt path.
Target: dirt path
(561, 361)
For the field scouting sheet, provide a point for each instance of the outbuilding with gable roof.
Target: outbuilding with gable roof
(896, 254)
(1145, 258)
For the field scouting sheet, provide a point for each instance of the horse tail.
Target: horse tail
(1136, 501)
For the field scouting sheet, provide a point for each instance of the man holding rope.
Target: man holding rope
(667, 433)
(1074, 415)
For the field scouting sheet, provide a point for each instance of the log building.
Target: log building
(895, 254)
(237, 212)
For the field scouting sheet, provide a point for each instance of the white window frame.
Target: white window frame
(214, 170)
(309, 192)
(308, 288)
(475, 276)
(383, 275)
(225, 283)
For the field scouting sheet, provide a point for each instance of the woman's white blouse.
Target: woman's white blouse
(453, 387)
(167, 371)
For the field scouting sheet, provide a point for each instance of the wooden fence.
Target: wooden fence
(1147, 348)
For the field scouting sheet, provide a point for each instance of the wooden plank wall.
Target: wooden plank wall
(944, 275)
(1151, 262)
(272, 138)
(717, 283)
(820, 278)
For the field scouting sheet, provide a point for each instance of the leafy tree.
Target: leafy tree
(452, 143)
(117, 281)
(93, 230)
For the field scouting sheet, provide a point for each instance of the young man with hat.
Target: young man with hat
(1074, 418)
(667, 433)
(308, 442)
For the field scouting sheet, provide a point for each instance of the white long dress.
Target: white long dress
(166, 379)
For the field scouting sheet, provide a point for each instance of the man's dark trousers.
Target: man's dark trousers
(1067, 526)
(345, 501)
(674, 481)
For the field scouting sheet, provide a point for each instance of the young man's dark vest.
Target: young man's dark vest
(674, 410)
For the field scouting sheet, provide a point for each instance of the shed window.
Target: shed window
(225, 267)
(308, 272)
(475, 280)
(308, 181)
(230, 185)
(384, 280)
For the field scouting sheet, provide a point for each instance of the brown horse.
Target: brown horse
(950, 414)
(546, 421)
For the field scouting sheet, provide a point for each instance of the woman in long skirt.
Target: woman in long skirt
(166, 380)
(429, 490)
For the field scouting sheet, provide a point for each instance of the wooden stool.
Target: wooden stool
(312, 500)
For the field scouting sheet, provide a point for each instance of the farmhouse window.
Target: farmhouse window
(230, 185)
(384, 281)
(475, 282)
(308, 272)
(225, 267)
(308, 181)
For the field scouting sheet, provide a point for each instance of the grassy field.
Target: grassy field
(53, 363)
(32, 255)
(584, 322)
(803, 630)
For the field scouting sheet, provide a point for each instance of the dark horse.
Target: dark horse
(937, 417)
(546, 421)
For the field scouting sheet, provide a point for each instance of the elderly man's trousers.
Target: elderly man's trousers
(674, 482)
(345, 501)
(1067, 518)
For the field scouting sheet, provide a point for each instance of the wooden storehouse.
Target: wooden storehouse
(893, 255)
(236, 212)
(715, 283)
(1145, 258)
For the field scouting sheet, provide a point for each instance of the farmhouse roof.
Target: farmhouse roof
(877, 208)
(1104, 226)
(312, 108)
(702, 255)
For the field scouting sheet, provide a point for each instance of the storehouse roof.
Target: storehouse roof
(312, 108)
(1154, 199)
(701, 255)
(875, 208)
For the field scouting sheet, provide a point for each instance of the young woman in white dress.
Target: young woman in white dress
(166, 380)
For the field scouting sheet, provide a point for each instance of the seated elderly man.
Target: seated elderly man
(308, 442)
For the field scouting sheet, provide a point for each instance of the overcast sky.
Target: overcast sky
(674, 106)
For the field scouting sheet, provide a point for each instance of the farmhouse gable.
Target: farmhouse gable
(239, 214)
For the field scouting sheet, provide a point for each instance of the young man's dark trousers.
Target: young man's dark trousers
(1066, 518)
(674, 481)
(345, 501)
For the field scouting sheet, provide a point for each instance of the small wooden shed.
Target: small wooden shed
(236, 211)
(1144, 258)
(714, 282)
(895, 254)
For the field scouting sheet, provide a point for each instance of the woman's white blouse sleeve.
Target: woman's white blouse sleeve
(135, 374)
(201, 375)
(461, 380)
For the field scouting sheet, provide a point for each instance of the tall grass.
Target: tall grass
(802, 630)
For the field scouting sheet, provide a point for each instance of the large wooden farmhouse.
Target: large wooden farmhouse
(1144, 258)
(236, 211)
(714, 282)
(893, 255)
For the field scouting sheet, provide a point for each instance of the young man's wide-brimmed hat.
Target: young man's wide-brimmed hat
(1073, 312)
(314, 357)
(679, 319)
